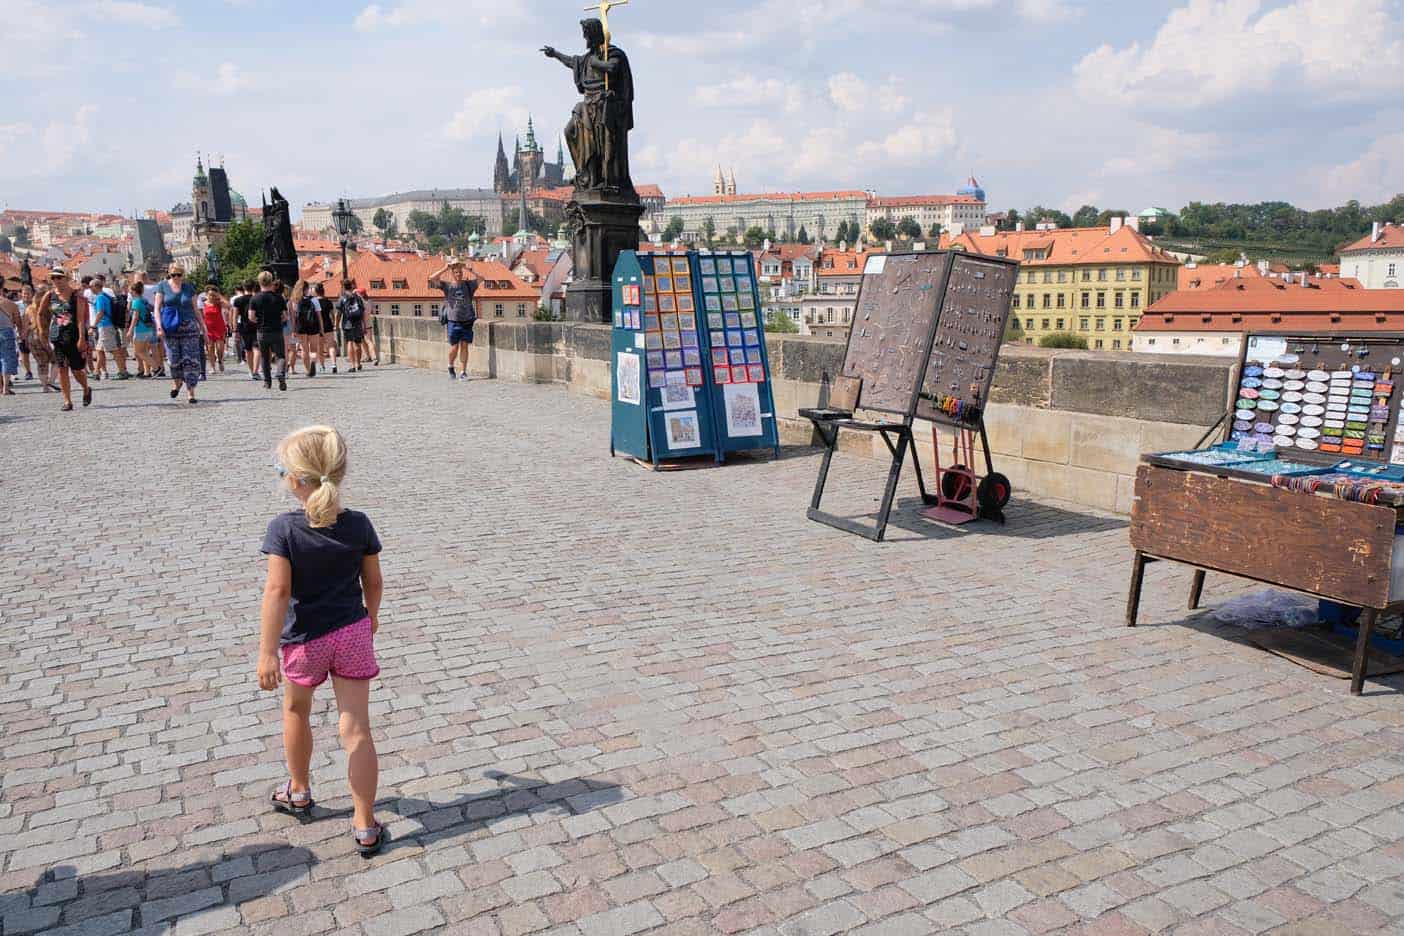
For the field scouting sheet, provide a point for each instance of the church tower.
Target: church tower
(718, 182)
(731, 182)
(501, 171)
(530, 160)
(200, 196)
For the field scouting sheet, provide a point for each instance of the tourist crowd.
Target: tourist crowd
(60, 333)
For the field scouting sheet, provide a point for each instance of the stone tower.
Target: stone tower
(530, 160)
(201, 199)
(501, 171)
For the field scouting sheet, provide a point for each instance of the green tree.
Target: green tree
(1104, 217)
(1013, 331)
(908, 228)
(436, 243)
(883, 229)
(841, 232)
(709, 231)
(778, 323)
(935, 232)
(1039, 214)
(452, 222)
(1011, 220)
(674, 229)
(241, 253)
(1063, 340)
(754, 236)
(803, 236)
(422, 222)
(1086, 216)
(543, 314)
(383, 221)
(21, 236)
(354, 225)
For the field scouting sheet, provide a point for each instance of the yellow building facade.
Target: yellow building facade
(1092, 282)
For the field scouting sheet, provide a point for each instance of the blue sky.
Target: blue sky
(1052, 101)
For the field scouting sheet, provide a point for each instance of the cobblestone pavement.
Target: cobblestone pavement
(617, 702)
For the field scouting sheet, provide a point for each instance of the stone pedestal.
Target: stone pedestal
(604, 224)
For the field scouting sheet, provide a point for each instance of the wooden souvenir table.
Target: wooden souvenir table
(1218, 518)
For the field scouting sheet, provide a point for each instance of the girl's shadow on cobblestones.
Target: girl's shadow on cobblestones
(153, 899)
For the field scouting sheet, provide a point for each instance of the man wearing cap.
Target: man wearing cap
(65, 312)
(458, 312)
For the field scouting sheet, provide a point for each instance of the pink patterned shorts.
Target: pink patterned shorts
(347, 652)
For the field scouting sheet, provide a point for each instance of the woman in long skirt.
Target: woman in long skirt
(182, 330)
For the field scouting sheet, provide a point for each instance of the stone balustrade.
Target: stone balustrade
(1067, 424)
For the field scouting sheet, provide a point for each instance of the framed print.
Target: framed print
(687, 321)
(665, 284)
(721, 375)
(752, 337)
(733, 320)
(669, 322)
(678, 396)
(627, 377)
(655, 360)
(728, 302)
(717, 339)
(672, 359)
(738, 356)
(648, 283)
(743, 410)
(733, 339)
(745, 299)
(708, 265)
(728, 285)
(618, 319)
(738, 375)
(650, 302)
(657, 379)
(685, 302)
(689, 339)
(715, 320)
(650, 323)
(757, 373)
(666, 303)
(694, 377)
(753, 356)
(682, 430)
(630, 294)
(692, 357)
(748, 320)
(710, 284)
(718, 356)
(713, 301)
(672, 341)
(680, 266)
(743, 280)
(653, 341)
(724, 266)
(682, 283)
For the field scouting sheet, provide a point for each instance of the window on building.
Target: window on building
(1082, 323)
(1131, 323)
(400, 284)
(418, 309)
(1151, 341)
(434, 309)
(1029, 301)
(1120, 274)
(1101, 324)
(394, 308)
(521, 310)
(1062, 276)
(1048, 300)
(1135, 300)
(1116, 324)
(1087, 276)
(1087, 300)
(1028, 324)
(1015, 303)
(1116, 344)
(1389, 271)
(498, 310)
(1097, 344)
(1120, 300)
(1174, 341)
(1048, 276)
(1225, 340)
(1136, 275)
(1101, 300)
(1060, 324)
(1102, 275)
(377, 284)
(1045, 324)
(1062, 301)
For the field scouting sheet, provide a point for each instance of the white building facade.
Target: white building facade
(819, 213)
(1376, 260)
(482, 203)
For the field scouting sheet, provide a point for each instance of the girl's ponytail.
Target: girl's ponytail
(317, 456)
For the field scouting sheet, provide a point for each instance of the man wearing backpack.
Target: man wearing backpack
(105, 322)
(458, 312)
(353, 323)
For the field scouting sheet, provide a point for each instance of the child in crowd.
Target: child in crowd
(321, 609)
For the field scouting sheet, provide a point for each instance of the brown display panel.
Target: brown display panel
(1338, 549)
(1323, 352)
(893, 321)
(969, 332)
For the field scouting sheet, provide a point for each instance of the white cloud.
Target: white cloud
(136, 14)
(1377, 175)
(1212, 51)
(852, 94)
(437, 12)
(1160, 150)
(1047, 11)
(32, 152)
(749, 91)
(927, 138)
(487, 110)
(227, 79)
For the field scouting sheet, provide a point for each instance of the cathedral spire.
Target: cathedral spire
(531, 135)
(501, 153)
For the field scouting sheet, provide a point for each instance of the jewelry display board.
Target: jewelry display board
(969, 332)
(689, 325)
(894, 319)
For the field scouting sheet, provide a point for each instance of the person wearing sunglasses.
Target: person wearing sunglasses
(182, 331)
(65, 318)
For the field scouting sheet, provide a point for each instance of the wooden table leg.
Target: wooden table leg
(1196, 589)
(1133, 600)
(1362, 643)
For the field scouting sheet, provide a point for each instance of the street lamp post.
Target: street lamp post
(342, 218)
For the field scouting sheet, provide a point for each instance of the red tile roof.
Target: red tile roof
(1209, 275)
(1391, 235)
(843, 262)
(1064, 246)
(415, 272)
(1239, 305)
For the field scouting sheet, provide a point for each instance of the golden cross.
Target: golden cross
(604, 6)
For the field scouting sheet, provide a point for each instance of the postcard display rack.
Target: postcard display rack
(924, 342)
(1311, 459)
(691, 375)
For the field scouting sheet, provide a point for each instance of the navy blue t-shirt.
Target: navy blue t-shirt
(326, 571)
